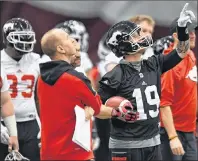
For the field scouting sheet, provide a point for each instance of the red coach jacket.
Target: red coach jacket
(60, 89)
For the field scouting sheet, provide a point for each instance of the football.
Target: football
(115, 101)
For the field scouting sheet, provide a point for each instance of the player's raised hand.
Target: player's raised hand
(185, 16)
(89, 112)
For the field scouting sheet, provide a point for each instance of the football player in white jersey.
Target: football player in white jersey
(9, 131)
(22, 69)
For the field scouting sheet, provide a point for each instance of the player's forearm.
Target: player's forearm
(10, 123)
(105, 112)
(7, 109)
(8, 115)
(170, 60)
(183, 45)
(175, 56)
(167, 120)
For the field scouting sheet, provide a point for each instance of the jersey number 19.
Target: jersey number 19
(137, 93)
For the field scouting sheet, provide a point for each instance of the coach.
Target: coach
(60, 89)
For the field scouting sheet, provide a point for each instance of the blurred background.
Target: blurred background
(97, 16)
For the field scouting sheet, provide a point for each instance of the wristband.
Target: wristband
(173, 137)
(10, 123)
(182, 33)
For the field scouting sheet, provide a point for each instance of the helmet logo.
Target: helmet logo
(113, 40)
(8, 26)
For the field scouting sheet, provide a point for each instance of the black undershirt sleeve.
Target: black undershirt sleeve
(170, 60)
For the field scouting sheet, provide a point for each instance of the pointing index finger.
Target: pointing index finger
(185, 7)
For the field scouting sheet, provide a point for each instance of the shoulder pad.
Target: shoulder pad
(112, 78)
(33, 56)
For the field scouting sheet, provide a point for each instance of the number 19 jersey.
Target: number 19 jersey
(22, 77)
(140, 83)
(142, 88)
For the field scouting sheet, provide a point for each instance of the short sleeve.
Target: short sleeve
(155, 61)
(86, 63)
(3, 81)
(112, 58)
(44, 58)
(110, 83)
(40, 60)
(167, 88)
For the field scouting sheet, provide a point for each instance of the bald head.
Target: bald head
(51, 40)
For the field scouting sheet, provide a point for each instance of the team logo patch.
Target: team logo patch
(192, 75)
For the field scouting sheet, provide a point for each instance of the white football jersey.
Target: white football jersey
(112, 58)
(22, 77)
(148, 53)
(80, 69)
(45, 58)
(101, 66)
(86, 63)
(3, 80)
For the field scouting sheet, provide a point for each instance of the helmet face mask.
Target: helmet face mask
(18, 34)
(139, 42)
(125, 38)
(22, 41)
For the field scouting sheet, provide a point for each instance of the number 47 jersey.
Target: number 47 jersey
(139, 83)
(22, 76)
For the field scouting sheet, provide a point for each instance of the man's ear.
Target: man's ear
(60, 49)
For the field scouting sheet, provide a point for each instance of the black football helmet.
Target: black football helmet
(125, 38)
(78, 31)
(162, 44)
(18, 33)
(103, 49)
